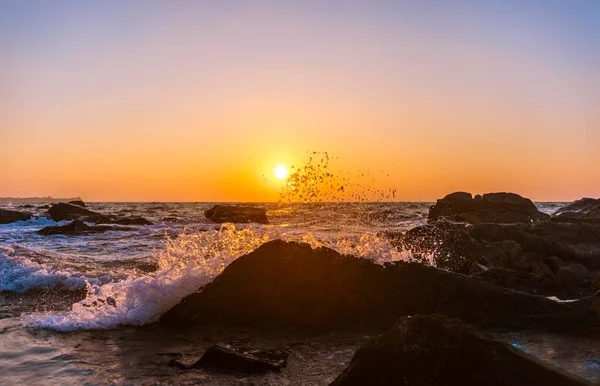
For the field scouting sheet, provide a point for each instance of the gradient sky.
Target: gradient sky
(198, 101)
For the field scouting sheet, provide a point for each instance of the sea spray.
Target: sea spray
(189, 262)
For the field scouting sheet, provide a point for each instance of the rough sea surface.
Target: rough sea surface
(80, 309)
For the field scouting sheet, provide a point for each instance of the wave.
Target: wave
(189, 262)
(20, 274)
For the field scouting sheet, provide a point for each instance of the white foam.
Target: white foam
(19, 274)
(188, 262)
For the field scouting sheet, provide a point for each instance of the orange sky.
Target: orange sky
(190, 102)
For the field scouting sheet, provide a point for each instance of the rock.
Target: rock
(8, 216)
(236, 214)
(289, 285)
(27, 206)
(126, 221)
(43, 207)
(226, 359)
(491, 207)
(584, 210)
(64, 211)
(434, 350)
(78, 227)
(77, 202)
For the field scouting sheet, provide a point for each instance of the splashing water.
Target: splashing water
(189, 262)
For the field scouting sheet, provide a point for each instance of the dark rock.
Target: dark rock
(26, 206)
(288, 285)
(169, 219)
(434, 350)
(538, 248)
(43, 207)
(491, 207)
(77, 202)
(78, 227)
(126, 221)
(236, 214)
(226, 359)
(584, 210)
(64, 211)
(8, 216)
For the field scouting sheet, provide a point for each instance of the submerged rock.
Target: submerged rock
(289, 285)
(237, 214)
(584, 210)
(77, 202)
(226, 359)
(8, 216)
(78, 227)
(491, 207)
(126, 221)
(64, 211)
(434, 350)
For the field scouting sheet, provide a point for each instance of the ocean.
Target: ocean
(81, 309)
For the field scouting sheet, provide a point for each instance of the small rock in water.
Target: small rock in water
(222, 358)
(111, 301)
(237, 214)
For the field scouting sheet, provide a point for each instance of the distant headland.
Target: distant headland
(37, 199)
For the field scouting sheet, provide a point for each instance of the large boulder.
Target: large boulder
(77, 202)
(434, 350)
(584, 210)
(236, 214)
(491, 207)
(8, 216)
(78, 227)
(65, 211)
(289, 285)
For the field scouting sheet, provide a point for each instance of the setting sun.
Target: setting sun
(281, 172)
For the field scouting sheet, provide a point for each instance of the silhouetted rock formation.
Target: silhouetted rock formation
(491, 207)
(434, 350)
(78, 227)
(285, 285)
(561, 259)
(77, 202)
(584, 210)
(236, 214)
(8, 216)
(64, 211)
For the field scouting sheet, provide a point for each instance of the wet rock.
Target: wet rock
(8, 216)
(584, 210)
(78, 227)
(64, 211)
(289, 285)
(491, 207)
(434, 350)
(226, 359)
(538, 248)
(236, 214)
(43, 207)
(77, 202)
(126, 221)
(27, 206)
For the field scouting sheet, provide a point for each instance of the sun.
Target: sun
(281, 172)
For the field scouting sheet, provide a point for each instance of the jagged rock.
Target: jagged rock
(289, 285)
(226, 359)
(584, 210)
(539, 248)
(8, 216)
(237, 214)
(434, 350)
(126, 221)
(491, 207)
(77, 202)
(64, 211)
(78, 227)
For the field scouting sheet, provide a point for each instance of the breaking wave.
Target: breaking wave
(188, 262)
